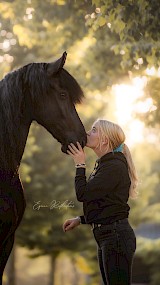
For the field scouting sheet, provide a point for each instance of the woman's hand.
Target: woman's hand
(71, 224)
(77, 153)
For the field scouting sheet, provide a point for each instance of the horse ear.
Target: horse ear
(53, 68)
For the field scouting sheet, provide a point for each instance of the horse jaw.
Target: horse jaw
(64, 147)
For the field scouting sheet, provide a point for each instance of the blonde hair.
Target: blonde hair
(115, 135)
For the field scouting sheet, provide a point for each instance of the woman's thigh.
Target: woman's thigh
(117, 248)
(116, 266)
(101, 266)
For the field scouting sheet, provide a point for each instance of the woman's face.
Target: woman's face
(93, 137)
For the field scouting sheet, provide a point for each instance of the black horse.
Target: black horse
(46, 93)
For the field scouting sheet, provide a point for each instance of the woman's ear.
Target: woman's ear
(105, 140)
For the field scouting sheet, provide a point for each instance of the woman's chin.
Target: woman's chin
(88, 145)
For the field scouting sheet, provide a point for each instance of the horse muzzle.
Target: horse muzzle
(82, 142)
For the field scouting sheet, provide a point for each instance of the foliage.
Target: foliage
(147, 206)
(152, 91)
(148, 250)
(49, 32)
(137, 25)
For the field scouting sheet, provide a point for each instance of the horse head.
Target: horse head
(46, 93)
(54, 106)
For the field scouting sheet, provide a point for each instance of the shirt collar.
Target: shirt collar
(112, 155)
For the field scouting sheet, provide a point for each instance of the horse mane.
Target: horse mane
(30, 80)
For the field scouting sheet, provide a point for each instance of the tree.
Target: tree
(51, 31)
(152, 118)
(137, 25)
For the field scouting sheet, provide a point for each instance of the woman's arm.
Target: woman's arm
(105, 180)
(70, 224)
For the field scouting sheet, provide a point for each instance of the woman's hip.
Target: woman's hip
(118, 236)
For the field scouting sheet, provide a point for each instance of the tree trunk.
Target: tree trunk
(52, 270)
(10, 268)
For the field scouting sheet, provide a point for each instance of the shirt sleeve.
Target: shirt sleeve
(105, 180)
(82, 218)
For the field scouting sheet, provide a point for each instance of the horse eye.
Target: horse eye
(63, 95)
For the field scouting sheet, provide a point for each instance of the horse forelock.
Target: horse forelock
(40, 82)
(72, 86)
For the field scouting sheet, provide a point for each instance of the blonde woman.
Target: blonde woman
(105, 196)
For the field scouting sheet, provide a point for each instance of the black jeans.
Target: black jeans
(116, 248)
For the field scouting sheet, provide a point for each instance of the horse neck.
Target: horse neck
(23, 134)
(24, 126)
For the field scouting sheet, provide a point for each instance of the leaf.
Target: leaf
(96, 2)
(101, 21)
(6, 11)
(121, 25)
(103, 9)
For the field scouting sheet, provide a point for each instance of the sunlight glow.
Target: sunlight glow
(128, 102)
(145, 106)
(78, 50)
(134, 132)
(126, 95)
(153, 71)
(6, 44)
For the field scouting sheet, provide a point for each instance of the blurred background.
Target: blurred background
(114, 53)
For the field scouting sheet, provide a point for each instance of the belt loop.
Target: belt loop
(93, 226)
